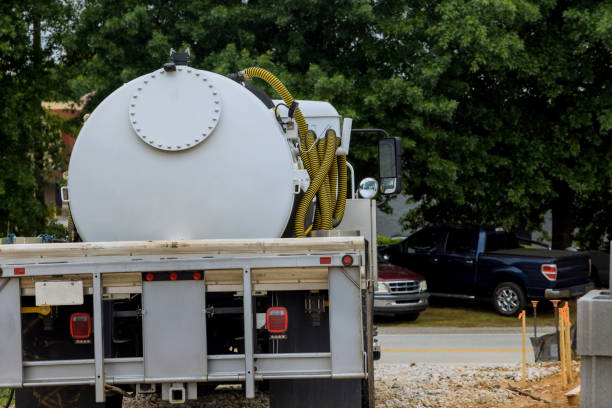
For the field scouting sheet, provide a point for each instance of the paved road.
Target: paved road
(454, 345)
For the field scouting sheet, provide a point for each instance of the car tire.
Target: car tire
(596, 278)
(410, 317)
(508, 299)
(63, 397)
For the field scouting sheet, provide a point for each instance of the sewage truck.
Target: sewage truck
(214, 239)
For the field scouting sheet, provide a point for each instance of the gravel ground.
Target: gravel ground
(461, 385)
(402, 385)
(226, 396)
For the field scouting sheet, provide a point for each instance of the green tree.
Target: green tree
(503, 107)
(320, 49)
(30, 137)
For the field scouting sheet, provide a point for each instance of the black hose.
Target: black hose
(10, 399)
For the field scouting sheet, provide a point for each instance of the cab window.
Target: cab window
(460, 241)
(423, 241)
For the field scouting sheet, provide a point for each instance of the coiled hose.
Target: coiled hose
(326, 170)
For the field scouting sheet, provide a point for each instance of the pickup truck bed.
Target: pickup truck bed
(572, 271)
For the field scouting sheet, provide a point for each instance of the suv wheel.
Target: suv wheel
(508, 299)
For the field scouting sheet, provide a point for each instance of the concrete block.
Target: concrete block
(595, 324)
(595, 380)
(595, 349)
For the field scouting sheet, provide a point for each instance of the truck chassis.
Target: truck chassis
(174, 313)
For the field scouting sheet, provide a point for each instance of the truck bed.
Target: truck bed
(41, 260)
(173, 312)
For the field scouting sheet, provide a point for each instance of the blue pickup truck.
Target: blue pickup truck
(471, 262)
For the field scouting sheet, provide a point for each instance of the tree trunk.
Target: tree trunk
(563, 226)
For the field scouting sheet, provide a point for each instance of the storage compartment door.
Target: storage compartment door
(174, 330)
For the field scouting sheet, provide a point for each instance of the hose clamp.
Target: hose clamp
(293, 108)
(301, 180)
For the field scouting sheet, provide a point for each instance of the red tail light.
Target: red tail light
(149, 276)
(549, 271)
(197, 276)
(277, 320)
(173, 276)
(347, 260)
(80, 326)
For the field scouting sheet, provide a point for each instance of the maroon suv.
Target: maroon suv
(399, 291)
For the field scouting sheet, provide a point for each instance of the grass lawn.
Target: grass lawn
(4, 394)
(472, 313)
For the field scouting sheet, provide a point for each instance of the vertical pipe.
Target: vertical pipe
(248, 334)
(534, 303)
(556, 314)
(98, 343)
(353, 192)
(369, 304)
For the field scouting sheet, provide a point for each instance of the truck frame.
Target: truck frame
(338, 272)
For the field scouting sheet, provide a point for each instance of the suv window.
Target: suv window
(423, 241)
(460, 241)
(501, 240)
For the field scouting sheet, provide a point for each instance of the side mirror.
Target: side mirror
(390, 165)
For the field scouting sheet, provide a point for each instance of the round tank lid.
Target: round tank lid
(175, 110)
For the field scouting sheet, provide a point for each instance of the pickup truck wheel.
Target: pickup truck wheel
(508, 299)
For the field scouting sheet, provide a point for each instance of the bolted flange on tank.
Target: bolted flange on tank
(181, 154)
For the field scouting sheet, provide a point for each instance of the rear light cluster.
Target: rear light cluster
(80, 326)
(347, 260)
(549, 271)
(277, 320)
(173, 276)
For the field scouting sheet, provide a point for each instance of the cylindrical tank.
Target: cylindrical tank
(185, 154)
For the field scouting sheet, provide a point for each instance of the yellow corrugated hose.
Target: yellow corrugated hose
(342, 186)
(326, 170)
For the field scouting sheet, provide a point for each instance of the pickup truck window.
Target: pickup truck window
(460, 241)
(423, 241)
(501, 240)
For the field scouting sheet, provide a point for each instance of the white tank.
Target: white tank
(181, 155)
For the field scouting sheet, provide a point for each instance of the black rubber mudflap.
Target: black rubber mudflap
(62, 397)
(319, 393)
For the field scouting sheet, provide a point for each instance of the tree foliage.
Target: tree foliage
(507, 107)
(30, 138)
(503, 107)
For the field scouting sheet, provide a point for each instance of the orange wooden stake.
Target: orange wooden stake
(567, 341)
(562, 349)
(523, 317)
